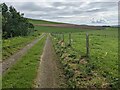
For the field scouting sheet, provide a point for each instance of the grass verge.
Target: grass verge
(100, 70)
(22, 74)
(12, 45)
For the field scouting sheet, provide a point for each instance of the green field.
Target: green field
(33, 21)
(100, 69)
(53, 29)
(78, 51)
(56, 29)
(23, 73)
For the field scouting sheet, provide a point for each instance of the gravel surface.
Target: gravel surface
(50, 73)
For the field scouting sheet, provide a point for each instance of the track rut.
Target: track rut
(15, 57)
(50, 74)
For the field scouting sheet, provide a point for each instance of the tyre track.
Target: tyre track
(6, 64)
(49, 73)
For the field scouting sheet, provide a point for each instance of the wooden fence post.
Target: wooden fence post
(63, 36)
(58, 36)
(70, 39)
(87, 44)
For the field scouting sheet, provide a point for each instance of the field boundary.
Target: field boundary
(71, 26)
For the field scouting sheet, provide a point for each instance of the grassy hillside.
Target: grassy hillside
(34, 21)
(69, 29)
(57, 29)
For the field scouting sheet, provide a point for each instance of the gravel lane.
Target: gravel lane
(6, 64)
(49, 73)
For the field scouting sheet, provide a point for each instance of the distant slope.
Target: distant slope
(49, 26)
(34, 21)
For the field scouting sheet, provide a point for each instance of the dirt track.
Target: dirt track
(14, 58)
(49, 73)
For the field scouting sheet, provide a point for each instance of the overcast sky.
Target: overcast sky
(98, 12)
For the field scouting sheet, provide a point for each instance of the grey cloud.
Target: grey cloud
(99, 21)
(31, 6)
(71, 8)
(94, 10)
(103, 5)
(59, 10)
(89, 9)
(67, 4)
